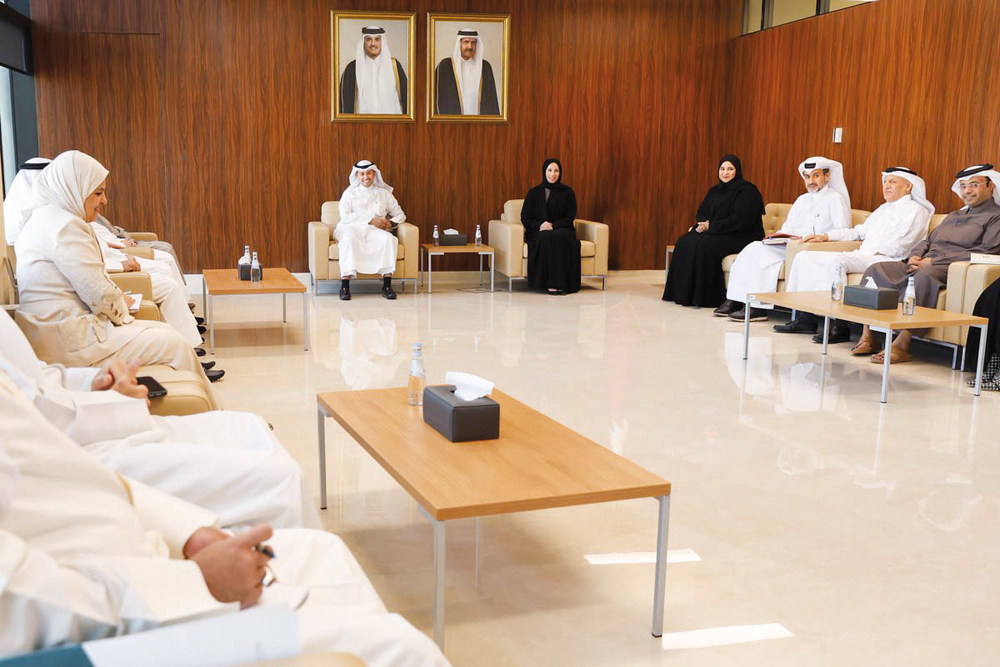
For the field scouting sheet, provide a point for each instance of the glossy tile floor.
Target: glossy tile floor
(869, 532)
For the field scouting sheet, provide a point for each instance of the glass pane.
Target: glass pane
(754, 12)
(6, 129)
(844, 4)
(786, 11)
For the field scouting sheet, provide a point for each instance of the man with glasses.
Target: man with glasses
(973, 228)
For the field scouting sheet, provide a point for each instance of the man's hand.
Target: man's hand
(200, 539)
(118, 375)
(702, 226)
(129, 243)
(917, 262)
(816, 238)
(233, 570)
(380, 223)
(130, 263)
(116, 246)
(545, 226)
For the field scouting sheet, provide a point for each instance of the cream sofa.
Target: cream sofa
(506, 236)
(324, 257)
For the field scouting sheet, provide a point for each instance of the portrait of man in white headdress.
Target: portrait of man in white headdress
(372, 54)
(468, 58)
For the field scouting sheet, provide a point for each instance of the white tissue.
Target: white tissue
(870, 284)
(468, 387)
(451, 232)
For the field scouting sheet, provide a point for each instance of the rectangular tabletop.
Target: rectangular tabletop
(275, 281)
(536, 463)
(449, 249)
(820, 303)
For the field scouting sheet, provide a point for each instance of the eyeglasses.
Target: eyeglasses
(972, 185)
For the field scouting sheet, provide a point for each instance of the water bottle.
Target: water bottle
(479, 236)
(418, 379)
(254, 269)
(245, 259)
(910, 298)
(837, 288)
(437, 239)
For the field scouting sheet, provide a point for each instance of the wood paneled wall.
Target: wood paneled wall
(912, 82)
(214, 117)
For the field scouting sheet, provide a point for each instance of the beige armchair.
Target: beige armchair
(506, 236)
(324, 258)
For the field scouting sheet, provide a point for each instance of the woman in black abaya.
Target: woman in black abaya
(728, 219)
(553, 250)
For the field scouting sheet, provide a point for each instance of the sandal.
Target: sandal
(895, 357)
(863, 348)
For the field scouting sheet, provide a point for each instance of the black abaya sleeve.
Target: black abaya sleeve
(745, 217)
(704, 208)
(567, 214)
(529, 217)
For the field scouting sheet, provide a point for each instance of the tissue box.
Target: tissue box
(458, 420)
(882, 298)
(454, 239)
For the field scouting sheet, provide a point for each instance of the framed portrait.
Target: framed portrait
(372, 63)
(468, 67)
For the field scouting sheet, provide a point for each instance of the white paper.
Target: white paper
(468, 387)
(133, 301)
(870, 284)
(262, 633)
(451, 232)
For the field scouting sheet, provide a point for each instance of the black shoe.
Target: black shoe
(200, 352)
(795, 326)
(214, 376)
(727, 308)
(199, 320)
(838, 334)
(202, 328)
(388, 293)
(208, 365)
(756, 315)
(345, 292)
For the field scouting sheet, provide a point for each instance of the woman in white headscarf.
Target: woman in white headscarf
(69, 309)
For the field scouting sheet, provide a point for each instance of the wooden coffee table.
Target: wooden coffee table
(217, 282)
(537, 463)
(432, 250)
(882, 321)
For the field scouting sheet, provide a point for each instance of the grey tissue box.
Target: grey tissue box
(458, 420)
(454, 239)
(883, 298)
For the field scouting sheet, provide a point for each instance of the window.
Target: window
(763, 14)
(9, 160)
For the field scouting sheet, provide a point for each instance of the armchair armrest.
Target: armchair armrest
(143, 236)
(795, 247)
(507, 241)
(955, 286)
(409, 238)
(148, 310)
(319, 250)
(135, 282)
(596, 233)
(138, 251)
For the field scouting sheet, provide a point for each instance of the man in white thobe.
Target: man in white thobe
(374, 82)
(888, 233)
(366, 241)
(228, 462)
(825, 206)
(86, 554)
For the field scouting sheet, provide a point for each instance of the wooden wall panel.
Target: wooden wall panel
(90, 99)
(910, 81)
(630, 94)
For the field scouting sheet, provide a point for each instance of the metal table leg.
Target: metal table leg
(661, 566)
(493, 266)
(826, 331)
(420, 267)
(204, 297)
(887, 354)
(430, 272)
(439, 570)
(211, 324)
(305, 321)
(321, 433)
(980, 357)
(284, 309)
(480, 269)
(746, 328)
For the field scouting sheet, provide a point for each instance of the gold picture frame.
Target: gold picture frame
(346, 29)
(444, 97)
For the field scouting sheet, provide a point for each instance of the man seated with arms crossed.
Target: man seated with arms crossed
(886, 235)
(366, 241)
(86, 554)
(825, 206)
(973, 228)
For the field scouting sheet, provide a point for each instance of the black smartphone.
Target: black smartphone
(156, 389)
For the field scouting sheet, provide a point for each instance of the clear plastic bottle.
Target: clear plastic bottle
(418, 379)
(437, 238)
(837, 288)
(245, 259)
(910, 298)
(254, 269)
(479, 235)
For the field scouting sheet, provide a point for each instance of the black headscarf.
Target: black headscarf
(735, 161)
(558, 185)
